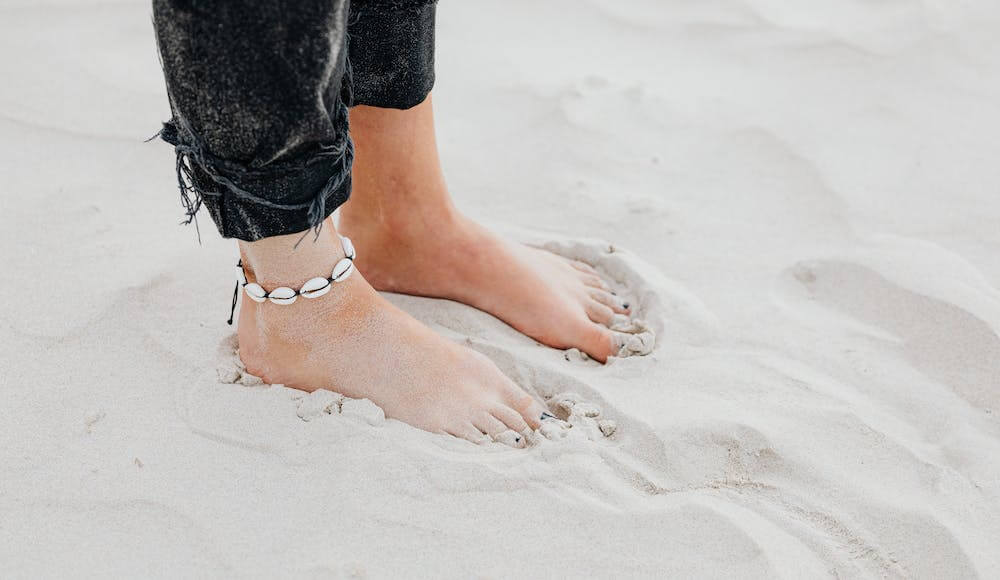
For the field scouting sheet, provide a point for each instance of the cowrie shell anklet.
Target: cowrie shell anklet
(313, 288)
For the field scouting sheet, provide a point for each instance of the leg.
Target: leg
(259, 119)
(425, 246)
(392, 51)
(402, 207)
(260, 129)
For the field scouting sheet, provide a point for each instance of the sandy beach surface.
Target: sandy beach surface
(801, 198)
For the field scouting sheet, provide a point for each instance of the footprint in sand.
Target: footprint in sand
(632, 279)
(577, 412)
(943, 341)
(635, 335)
(588, 433)
(309, 406)
(574, 414)
(578, 416)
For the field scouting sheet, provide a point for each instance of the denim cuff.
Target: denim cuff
(392, 52)
(249, 203)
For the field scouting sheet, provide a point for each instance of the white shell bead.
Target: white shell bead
(348, 246)
(282, 295)
(255, 292)
(342, 270)
(315, 288)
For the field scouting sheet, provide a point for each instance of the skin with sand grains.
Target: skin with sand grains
(419, 243)
(414, 241)
(354, 342)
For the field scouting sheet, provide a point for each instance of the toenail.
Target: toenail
(624, 304)
(547, 415)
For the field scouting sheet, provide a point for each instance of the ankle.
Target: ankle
(401, 223)
(291, 260)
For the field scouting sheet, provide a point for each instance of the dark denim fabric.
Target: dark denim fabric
(259, 91)
(392, 52)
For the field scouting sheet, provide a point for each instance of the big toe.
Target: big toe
(526, 406)
(599, 342)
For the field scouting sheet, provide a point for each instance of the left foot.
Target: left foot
(556, 301)
(416, 242)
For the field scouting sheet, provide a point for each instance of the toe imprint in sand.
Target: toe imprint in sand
(629, 278)
(633, 337)
(323, 402)
(639, 341)
(364, 410)
(574, 415)
(622, 323)
(319, 402)
(554, 429)
(230, 370)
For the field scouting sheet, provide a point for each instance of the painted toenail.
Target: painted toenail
(547, 415)
(624, 304)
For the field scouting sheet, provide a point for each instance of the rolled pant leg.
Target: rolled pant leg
(392, 52)
(258, 92)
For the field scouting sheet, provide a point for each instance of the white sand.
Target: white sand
(805, 199)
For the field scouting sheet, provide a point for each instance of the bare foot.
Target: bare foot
(420, 244)
(354, 342)
(553, 300)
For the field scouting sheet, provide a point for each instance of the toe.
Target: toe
(530, 409)
(490, 425)
(522, 403)
(613, 302)
(594, 281)
(512, 419)
(599, 342)
(599, 313)
(468, 432)
(583, 266)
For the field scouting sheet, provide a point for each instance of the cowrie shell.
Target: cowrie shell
(348, 246)
(255, 292)
(315, 288)
(342, 271)
(282, 295)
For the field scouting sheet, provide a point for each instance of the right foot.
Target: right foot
(352, 341)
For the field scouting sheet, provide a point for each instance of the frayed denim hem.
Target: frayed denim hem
(253, 203)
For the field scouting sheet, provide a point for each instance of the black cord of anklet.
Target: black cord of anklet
(236, 292)
(236, 296)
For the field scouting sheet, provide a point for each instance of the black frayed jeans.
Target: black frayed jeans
(259, 91)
